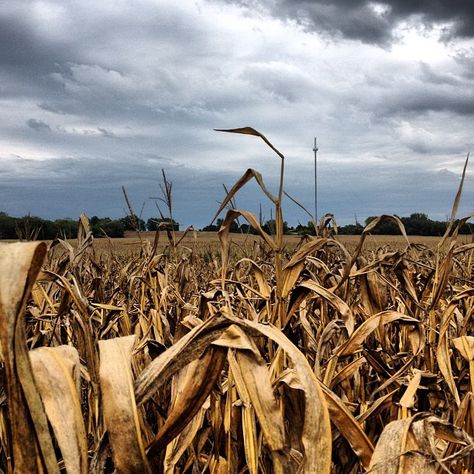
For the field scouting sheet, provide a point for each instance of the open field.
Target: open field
(209, 240)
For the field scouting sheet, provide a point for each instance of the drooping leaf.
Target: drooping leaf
(32, 447)
(199, 379)
(118, 404)
(56, 372)
(354, 343)
(250, 131)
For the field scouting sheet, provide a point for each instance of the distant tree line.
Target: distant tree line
(32, 227)
(416, 224)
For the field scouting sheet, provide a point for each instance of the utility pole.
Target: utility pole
(315, 149)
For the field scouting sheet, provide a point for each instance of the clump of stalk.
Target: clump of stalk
(275, 242)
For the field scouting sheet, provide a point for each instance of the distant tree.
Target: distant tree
(33, 228)
(213, 227)
(7, 226)
(102, 227)
(133, 222)
(247, 229)
(385, 228)
(234, 227)
(350, 229)
(270, 227)
(66, 228)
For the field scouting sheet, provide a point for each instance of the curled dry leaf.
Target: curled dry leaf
(247, 176)
(316, 433)
(334, 300)
(250, 131)
(348, 426)
(32, 447)
(181, 443)
(192, 391)
(354, 343)
(410, 445)
(180, 354)
(264, 287)
(254, 386)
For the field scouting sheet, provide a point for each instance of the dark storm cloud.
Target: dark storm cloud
(21, 47)
(374, 21)
(38, 125)
(440, 78)
(94, 94)
(44, 187)
(346, 189)
(417, 102)
(465, 58)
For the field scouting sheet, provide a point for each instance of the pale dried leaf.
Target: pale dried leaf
(56, 372)
(32, 447)
(118, 404)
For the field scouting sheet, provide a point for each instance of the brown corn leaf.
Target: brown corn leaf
(334, 300)
(32, 447)
(290, 277)
(177, 447)
(235, 338)
(410, 445)
(247, 176)
(250, 131)
(397, 452)
(249, 428)
(465, 345)
(56, 372)
(307, 249)
(197, 382)
(118, 404)
(370, 227)
(316, 436)
(442, 352)
(348, 426)
(457, 200)
(180, 354)
(408, 398)
(354, 343)
(347, 371)
(224, 236)
(263, 285)
(233, 214)
(253, 384)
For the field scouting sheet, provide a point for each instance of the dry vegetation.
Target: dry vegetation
(267, 356)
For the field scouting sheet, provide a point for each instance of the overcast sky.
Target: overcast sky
(96, 95)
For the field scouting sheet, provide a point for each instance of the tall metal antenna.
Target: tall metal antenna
(315, 149)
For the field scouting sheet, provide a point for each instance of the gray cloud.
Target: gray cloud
(157, 79)
(38, 125)
(373, 21)
(346, 189)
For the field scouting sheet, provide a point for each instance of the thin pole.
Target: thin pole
(315, 149)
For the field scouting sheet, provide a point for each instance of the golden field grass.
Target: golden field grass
(210, 240)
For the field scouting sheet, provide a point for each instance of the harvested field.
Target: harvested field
(202, 240)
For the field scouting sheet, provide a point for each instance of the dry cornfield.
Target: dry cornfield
(257, 359)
